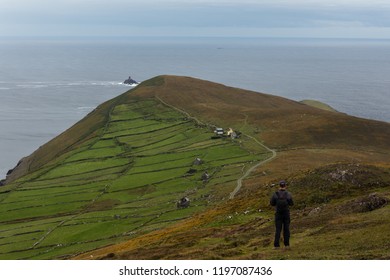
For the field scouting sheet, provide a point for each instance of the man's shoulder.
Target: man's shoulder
(289, 194)
(285, 194)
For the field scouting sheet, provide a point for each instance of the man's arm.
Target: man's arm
(272, 202)
(290, 199)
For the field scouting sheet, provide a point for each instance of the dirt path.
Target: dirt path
(250, 170)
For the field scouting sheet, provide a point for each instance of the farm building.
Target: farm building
(184, 202)
(198, 161)
(219, 131)
(231, 133)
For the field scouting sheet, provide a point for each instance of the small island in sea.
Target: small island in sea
(130, 81)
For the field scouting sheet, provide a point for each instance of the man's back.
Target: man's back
(282, 199)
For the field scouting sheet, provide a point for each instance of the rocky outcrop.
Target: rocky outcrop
(364, 204)
(130, 81)
(10, 171)
(19, 170)
(17, 165)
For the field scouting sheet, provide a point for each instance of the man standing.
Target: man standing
(282, 200)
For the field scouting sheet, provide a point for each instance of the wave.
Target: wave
(59, 84)
(130, 85)
(32, 86)
(107, 83)
(85, 108)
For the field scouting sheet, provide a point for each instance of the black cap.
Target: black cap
(282, 183)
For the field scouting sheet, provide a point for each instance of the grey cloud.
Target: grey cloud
(245, 14)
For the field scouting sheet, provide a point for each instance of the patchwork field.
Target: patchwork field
(121, 183)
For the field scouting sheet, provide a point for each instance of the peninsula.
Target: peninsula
(109, 187)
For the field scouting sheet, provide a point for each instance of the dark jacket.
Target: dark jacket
(282, 193)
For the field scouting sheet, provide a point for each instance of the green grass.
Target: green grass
(71, 169)
(110, 143)
(319, 105)
(99, 153)
(119, 184)
(131, 125)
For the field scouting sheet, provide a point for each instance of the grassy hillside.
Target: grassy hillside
(121, 182)
(112, 181)
(279, 122)
(334, 218)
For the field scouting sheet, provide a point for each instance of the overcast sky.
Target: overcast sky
(248, 18)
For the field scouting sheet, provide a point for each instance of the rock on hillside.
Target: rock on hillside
(324, 184)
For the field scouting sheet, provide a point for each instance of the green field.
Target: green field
(122, 183)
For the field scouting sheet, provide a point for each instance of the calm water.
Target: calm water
(46, 86)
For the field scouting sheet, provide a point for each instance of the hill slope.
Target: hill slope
(268, 117)
(116, 176)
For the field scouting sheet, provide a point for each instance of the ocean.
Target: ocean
(46, 85)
